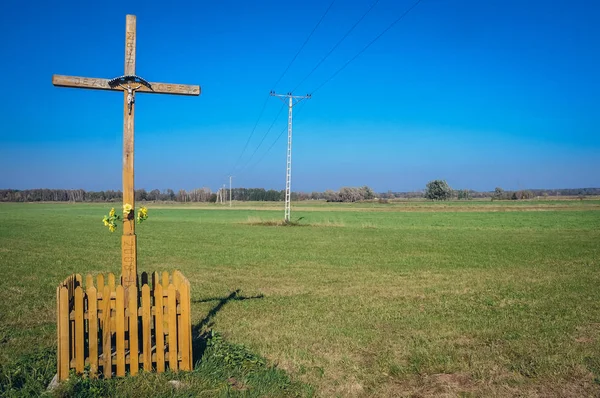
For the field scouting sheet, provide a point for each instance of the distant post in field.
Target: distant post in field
(129, 84)
(230, 191)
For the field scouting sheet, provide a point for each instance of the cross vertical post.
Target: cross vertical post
(126, 83)
(129, 240)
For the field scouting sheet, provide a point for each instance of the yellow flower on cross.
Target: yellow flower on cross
(142, 215)
(109, 220)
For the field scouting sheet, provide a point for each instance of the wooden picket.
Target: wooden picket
(93, 329)
(106, 333)
(160, 336)
(146, 331)
(114, 330)
(120, 326)
(79, 335)
(133, 330)
(171, 308)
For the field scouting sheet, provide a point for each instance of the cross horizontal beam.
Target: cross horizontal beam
(102, 84)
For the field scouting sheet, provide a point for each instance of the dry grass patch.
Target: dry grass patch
(327, 223)
(587, 334)
(253, 220)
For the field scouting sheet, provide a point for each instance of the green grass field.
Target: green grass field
(405, 299)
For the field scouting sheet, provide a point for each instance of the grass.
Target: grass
(401, 299)
(224, 370)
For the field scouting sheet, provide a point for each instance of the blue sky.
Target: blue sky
(480, 93)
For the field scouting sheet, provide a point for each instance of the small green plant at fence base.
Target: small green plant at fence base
(236, 355)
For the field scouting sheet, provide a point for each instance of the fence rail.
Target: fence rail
(112, 330)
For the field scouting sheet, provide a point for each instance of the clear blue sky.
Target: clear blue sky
(480, 93)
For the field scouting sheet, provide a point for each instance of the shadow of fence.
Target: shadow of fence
(200, 330)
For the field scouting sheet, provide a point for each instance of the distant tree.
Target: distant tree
(367, 193)
(141, 194)
(181, 196)
(438, 190)
(171, 194)
(519, 195)
(331, 196)
(464, 194)
(302, 196)
(257, 194)
(527, 194)
(498, 193)
(154, 194)
(349, 194)
(274, 196)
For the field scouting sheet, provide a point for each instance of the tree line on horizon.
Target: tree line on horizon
(345, 194)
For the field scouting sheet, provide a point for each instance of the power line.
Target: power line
(277, 82)
(304, 44)
(251, 133)
(322, 59)
(283, 130)
(402, 16)
(276, 140)
(368, 45)
(265, 135)
(336, 45)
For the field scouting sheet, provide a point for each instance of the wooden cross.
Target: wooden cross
(134, 84)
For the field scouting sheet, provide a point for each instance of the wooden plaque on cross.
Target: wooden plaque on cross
(129, 83)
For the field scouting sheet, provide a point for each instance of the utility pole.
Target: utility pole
(230, 195)
(292, 100)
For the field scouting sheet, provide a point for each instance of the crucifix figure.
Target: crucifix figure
(130, 95)
(125, 83)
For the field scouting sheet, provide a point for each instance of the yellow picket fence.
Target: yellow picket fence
(112, 330)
